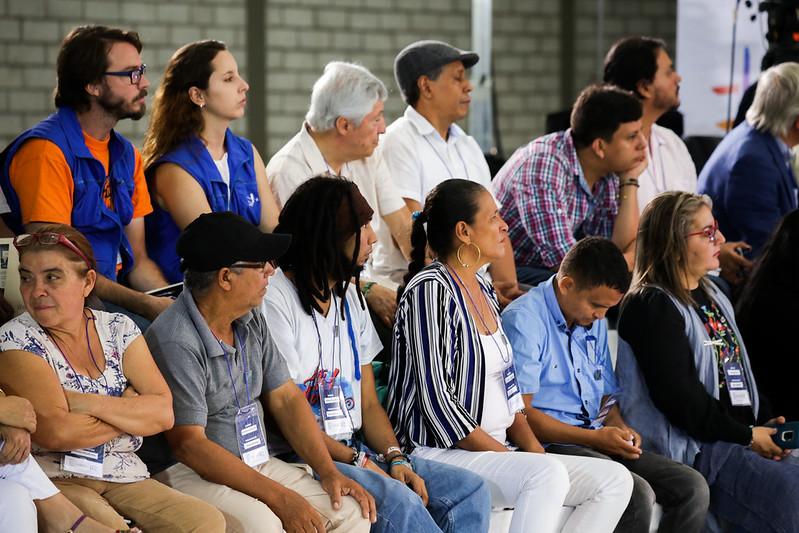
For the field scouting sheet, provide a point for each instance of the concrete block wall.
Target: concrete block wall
(301, 36)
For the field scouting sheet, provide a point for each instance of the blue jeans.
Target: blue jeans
(459, 501)
(749, 492)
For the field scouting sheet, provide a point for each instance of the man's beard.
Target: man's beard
(118, 108)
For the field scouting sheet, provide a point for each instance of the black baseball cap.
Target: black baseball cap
(423, 57)
(216, 240)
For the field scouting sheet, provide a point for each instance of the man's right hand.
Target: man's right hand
(296, 514)
(337, 485)
(16, 445)
(615, 441)
(18, 412)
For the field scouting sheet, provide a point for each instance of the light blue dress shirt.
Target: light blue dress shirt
(568, 371)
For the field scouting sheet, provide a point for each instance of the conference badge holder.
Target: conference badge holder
(333, 407)
(250, 433)
(512, 392)
(85, 461)
(736, 384)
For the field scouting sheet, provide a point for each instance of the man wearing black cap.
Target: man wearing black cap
(425, 146)
(221, 363)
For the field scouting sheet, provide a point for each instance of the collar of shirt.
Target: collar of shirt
(785, 149)
(208, 339)
(570, 150)
(424, 128)
(553, 306)
(313, 155)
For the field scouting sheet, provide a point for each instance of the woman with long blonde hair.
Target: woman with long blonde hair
(687, 381)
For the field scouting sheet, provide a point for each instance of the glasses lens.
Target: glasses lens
(24, 239)
(48, 238)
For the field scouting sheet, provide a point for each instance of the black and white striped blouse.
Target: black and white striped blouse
(437, 377)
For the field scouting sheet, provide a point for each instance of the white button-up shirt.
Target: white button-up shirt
(300, 160)
(670, 166)
(419, 159)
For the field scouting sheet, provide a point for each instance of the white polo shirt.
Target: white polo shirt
(300, 160)
(419, 159)
(670, 166)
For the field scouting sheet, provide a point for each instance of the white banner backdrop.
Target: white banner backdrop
(704, 46)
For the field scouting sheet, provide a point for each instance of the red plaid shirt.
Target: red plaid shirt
(546, 201)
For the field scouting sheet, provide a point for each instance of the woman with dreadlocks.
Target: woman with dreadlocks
(321, 326)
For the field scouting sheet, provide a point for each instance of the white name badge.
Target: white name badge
(333, 408)
(86, 461)
(250, 433)
(512, 392)
(736, 385)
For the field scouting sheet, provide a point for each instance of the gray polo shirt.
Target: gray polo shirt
(193, 363)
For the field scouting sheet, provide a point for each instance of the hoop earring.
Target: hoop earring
(458, 253)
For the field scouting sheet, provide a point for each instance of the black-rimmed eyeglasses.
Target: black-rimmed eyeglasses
(135, 75)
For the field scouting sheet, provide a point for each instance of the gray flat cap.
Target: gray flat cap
(423, 57)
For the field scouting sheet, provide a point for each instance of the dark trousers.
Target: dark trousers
(533, 275)
(679, 489)
(749, 492)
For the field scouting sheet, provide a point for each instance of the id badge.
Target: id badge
(736, 384)
(599, 421)
(333, 407)
(250, 434)
(512, 392)
(86, 461)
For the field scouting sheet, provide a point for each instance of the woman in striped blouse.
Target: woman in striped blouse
(453, 395)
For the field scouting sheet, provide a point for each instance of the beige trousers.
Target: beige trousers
(151, 505)
(245, 514)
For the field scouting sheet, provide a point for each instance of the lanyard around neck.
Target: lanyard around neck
(243, 353)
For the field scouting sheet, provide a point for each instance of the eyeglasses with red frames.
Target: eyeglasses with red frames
(47, 239)
(135, 75)
(711, 232)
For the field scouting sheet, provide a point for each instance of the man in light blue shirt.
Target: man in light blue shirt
(565, 372)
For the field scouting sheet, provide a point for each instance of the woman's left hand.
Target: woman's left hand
(78, 401)
(412, 479)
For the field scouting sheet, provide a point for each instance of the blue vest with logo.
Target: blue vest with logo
(103, 227)
(193, 157)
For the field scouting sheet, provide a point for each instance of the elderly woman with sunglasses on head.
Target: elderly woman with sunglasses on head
(95, 390)
(686, 376)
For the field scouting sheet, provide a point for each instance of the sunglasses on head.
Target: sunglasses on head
(48, 239)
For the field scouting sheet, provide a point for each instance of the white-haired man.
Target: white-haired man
(339, 137)
(749, 175)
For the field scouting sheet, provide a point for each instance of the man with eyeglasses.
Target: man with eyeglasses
(560, 345)
(73, 168)
(216, 352)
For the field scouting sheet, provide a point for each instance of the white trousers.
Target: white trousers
(538, 485)
(20, 484)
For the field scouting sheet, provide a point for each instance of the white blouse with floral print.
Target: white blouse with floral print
(116, 332)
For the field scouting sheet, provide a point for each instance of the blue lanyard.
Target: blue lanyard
(350, 332)
(230, 369)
